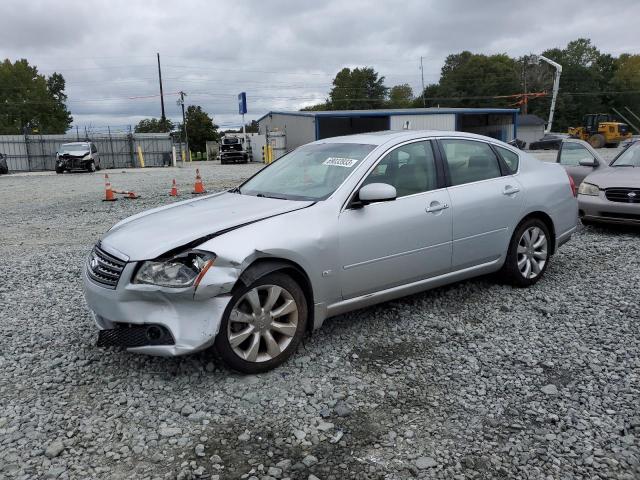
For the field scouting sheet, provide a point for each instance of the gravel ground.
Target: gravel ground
(475, 380)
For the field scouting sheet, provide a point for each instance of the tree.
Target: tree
(360, 88)
(154, 125)
(200, 128)
(30, 101)
(586, 75)
(626, 79)
(473, 80)
(400, 96)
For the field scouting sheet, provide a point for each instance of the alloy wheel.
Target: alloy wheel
(532, 252)
(262, 323)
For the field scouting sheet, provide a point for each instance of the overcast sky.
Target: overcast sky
(284, 54)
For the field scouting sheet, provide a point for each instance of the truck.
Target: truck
(233, 150)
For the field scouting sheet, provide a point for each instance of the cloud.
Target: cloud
(283, 53)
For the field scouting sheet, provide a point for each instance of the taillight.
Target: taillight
(572, 184)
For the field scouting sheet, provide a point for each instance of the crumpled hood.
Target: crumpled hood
(615, 177)
(151, 233)
(74, 153)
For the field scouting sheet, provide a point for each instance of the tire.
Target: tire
(98, 167)
(59, 170)
(515, 271)
(91, 166)
(596, 140)
(241, 318)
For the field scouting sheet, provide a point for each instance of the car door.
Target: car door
(486, 200)
(385, 244)
(572, 153)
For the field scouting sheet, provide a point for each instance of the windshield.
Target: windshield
(311, 172)
(74, 147)
(230, 141)
(629, 157)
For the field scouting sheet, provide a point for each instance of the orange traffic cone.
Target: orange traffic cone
(174, 189)
(131, 195)
(198, 187)
(108, 193)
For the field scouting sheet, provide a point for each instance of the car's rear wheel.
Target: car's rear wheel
(263, 324)
(528, 254)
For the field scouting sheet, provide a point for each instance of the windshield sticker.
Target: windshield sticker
(340, 162)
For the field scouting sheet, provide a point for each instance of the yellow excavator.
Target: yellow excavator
(601, 130)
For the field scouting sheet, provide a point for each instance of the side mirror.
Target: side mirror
(377, 192)
(588, 163)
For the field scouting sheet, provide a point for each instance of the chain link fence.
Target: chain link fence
(29, 153)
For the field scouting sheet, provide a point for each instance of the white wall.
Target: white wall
(442, 121)
(530, 133)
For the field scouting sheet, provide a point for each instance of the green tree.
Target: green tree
(400, 96)
(586, 75)
(200, 128)
(626, 79)
(31, 102)
(360, 88)
(154, 125)
(473, 80)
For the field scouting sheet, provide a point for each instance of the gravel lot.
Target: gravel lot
(475, 380)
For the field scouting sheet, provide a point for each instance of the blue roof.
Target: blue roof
(387, 112)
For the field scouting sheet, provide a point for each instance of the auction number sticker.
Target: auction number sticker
(340, 162)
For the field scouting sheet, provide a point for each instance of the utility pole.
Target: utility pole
(424, 103)
(162, 116)
(184, 124)
(525, 100)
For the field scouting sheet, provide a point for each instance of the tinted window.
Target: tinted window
(573, 153)
(410, 168)
(93, 148)
(470, 161)
(510, 158)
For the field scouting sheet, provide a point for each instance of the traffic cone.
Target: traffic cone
(108, 193)
(198, 187)
(174, 189)
(131, 195)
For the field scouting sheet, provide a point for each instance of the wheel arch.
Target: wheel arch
(266, 265)
(548, 221)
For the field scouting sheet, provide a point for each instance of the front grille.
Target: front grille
(623, 195)
(103, 268)
(129, 336)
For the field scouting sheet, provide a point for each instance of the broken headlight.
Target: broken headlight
(183, 270)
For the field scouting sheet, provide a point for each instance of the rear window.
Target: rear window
(510, 158)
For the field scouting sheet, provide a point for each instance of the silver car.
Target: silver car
(332, 226)
(611, 194)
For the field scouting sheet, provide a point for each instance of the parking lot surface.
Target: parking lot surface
(474, 380)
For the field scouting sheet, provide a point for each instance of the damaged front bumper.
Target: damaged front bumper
(188, 318)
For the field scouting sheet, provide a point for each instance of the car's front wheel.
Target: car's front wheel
(91, 166)
(263, 324)
(528, 254)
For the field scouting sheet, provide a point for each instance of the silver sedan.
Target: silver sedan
(332, 226)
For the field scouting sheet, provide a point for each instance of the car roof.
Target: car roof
(395, 136)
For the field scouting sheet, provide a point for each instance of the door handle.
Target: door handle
(436, 207)
(509, 190)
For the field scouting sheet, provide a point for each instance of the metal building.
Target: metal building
(530, 128)
(304, 127)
